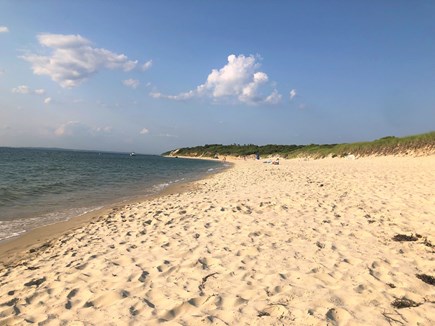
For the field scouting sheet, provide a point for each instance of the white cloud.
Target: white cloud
(48, 100)
(39, 91)
(144, 131)
(73, 59)
(106, 129)
(147, 65)
(179, 97)
(293, 94)
(167, 135)
(70, 128)
(133, 83)
(24, 89)
(274, 97)
(4, 29)
(77, 128)
(239, 79)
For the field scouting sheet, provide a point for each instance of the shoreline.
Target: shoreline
(305, 242)
(18, 247)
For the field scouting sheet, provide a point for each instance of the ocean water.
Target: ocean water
(43, 186)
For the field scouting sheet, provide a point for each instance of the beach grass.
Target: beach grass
(390, 145)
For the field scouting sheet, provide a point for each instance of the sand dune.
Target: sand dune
(316, 242)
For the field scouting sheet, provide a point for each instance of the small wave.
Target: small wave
(161, 186)
(16, 227)
(4, 235)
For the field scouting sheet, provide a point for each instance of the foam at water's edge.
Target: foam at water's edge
(17, 227)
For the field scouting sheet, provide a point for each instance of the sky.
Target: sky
(152, 76)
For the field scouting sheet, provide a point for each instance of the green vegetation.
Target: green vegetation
(424, 143)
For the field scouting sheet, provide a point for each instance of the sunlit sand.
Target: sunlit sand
(305, 242)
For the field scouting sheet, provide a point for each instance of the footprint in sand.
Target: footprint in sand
(337, 317)
(275, 310)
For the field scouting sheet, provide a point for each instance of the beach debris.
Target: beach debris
(32, 268)
(10, 303)
(404, 303)
(369, 218)
(201, 287)
(36, 282)
(395, 317)
(149, 303)
(263, 313)
(44, 246)
(320, 245)
(426, 278)
(404, 237)
(427, 243)
(88, 304)
(72, 293)
(143, 276)
(133, 311)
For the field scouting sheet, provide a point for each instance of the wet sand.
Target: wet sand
(306, 242)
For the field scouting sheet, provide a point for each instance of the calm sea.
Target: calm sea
(43, 186)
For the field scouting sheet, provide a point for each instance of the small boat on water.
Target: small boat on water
(132, 154)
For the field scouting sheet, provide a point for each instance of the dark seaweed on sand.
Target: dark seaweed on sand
(426, 278)
(404, 237)
(404, 303)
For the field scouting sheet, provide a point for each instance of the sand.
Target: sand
(306, 242)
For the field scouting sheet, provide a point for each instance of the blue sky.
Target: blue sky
(150, 76)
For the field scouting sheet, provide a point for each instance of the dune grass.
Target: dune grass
(422, 144)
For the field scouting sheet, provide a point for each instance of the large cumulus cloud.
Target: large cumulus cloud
(239, 79)
(72, 59)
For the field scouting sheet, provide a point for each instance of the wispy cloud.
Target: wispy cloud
(47, 100)
(144, 131)
(133, 83)
(70, 128)
(24, 89)
(147, 65)
(293, 94)
(238, 80)
(4, 29)
(274, 97)
(73, 59)
(167, 135)
(77, 128)
(106, 129)
(39, 91)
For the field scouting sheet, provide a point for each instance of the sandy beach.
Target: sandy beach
(307, 242)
